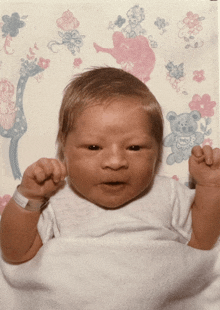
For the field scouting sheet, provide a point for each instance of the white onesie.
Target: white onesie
(163, 213)
(131, 258)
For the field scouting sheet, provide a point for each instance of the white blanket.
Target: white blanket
(83, 275)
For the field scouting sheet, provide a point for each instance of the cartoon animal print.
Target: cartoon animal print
(135, 16)
(184, 135)
(13, 123)
(134, 55)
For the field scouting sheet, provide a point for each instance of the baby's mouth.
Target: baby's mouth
(114, 183)
(113, 187)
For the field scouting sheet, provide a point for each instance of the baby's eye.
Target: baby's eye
(135, 148)
(93, 147)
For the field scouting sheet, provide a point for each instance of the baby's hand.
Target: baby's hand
(42, 179)
(204, 166)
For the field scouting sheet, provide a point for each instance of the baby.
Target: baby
(105, 180)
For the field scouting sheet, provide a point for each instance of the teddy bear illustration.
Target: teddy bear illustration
(184, 135)
(134, 28)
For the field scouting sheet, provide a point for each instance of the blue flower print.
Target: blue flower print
(11, 25)
(72, 39)
(160, 23)
(120, 21)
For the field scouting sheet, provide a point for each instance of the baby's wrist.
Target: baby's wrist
(29, 204)
(208, 185)
(206, 193)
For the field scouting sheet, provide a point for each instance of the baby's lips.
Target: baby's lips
(114, 180)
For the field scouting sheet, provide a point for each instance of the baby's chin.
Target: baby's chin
(114, 205)
(112, 195)
(110, 205)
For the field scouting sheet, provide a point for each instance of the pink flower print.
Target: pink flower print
(198, 76)
(67, 22)
(7, 119)
(175, 177)
(7, 107)
(196, 30)
(207, 142)
(43, 63)
(3, 201)
(192, 21)
(6, 90)
(204, 105)
(174, 82)
(77, 62)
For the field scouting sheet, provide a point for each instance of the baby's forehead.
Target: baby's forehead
(124, 108)
(120, 108)
(117, 113)
(116, 103)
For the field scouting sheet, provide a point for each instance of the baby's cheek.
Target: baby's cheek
(152, 157)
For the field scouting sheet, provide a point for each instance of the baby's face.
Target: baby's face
(111, 155)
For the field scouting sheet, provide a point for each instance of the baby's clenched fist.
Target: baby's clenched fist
(42, 179)
(204, 166)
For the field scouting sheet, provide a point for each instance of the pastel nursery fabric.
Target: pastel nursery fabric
(172, 46)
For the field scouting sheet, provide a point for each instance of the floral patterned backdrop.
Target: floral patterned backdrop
(172, 46)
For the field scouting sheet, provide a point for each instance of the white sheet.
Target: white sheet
(83, 274)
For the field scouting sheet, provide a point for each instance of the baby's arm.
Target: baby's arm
(19, 238)
(204, 166)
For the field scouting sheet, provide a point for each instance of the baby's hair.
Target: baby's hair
(100, 86)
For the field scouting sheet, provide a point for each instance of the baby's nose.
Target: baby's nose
(115, 159)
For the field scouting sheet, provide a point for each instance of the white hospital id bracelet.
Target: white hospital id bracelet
(30, 205)
(20, 199)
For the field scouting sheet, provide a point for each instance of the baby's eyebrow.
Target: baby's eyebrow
(140, 136)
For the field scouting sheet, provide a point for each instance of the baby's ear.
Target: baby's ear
(171, 116)
(195, 115)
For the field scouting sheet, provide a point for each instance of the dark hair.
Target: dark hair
(99, 86)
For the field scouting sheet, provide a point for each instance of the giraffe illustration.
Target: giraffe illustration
(19, 126)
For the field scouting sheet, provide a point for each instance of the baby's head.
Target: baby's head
(110, 136)
(100, 86)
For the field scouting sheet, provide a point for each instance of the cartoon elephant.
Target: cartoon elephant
(134, 55)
